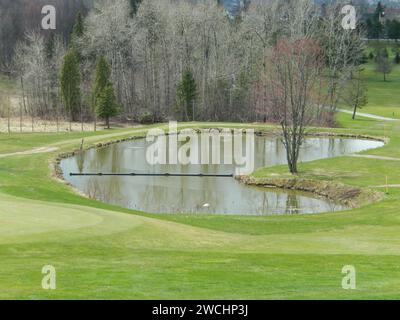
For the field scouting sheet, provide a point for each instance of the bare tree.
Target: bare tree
(383, 64)
(343, 50)
(294, 76)
(149, 50)
(355, 94)
(38, 72)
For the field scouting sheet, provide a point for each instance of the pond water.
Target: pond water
(201, 195)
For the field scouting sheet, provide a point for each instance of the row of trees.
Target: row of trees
(103, 100)
(18, 16)
(378, 27)
(152, 47)
(158, 59)
(307, 71)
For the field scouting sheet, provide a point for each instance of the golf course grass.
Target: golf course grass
(104, 252)
(383, 96)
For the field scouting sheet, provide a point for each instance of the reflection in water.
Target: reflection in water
(201, 195)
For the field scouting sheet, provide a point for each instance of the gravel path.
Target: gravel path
(368, 115)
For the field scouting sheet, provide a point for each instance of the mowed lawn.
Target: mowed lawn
(104, 252)
(100, 251)
(383, 97)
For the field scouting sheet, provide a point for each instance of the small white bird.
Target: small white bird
(206, 205)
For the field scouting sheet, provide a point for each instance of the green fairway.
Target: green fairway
(383, 97)
(100, 251)
(105, 196)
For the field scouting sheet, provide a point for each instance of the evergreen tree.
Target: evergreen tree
(374, 26)
(70, 84)
(134, 6)
(107, 105)
(102, 80)
(50, 46)
(397, 58)
(379, 11)
(393, 29)
(77, 33)
(186, 93)
(371, 56)
(103, 94)
(79, 27)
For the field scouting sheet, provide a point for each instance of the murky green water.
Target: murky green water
(201, 195)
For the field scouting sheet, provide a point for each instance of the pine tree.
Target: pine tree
(379, 11)
(186, 93)
(397, 58)
(107, 105)
(134, 6)
(79, 27)
(374, 26)
(77, 33)
(70, 84)
(50, 46)
(102, 80)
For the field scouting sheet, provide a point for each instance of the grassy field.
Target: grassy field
(100, 251)
(383, 97)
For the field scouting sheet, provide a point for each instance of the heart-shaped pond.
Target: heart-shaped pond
(207, 195)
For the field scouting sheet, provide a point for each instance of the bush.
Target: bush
(364, 59)
(146, 118)
(371, 56)
(397, 58)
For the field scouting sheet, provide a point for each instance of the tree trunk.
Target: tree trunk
(8, 114)
(354, 113)
(70, 121)
(293, 164)
(81, 109)
(20, 117)
(108, 122)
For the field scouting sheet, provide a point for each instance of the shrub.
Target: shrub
(397, 58)
(146, 118)
(371, 56)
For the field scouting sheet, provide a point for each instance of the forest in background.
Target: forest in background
(173, 59)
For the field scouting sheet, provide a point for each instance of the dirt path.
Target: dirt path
(29, 152)
(57, 145)
(388, 186)
(367, 156)
(368, 115)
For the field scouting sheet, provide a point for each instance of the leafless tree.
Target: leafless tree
(294, 69)
(343, 50)
(38, 75)
(355, 94)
